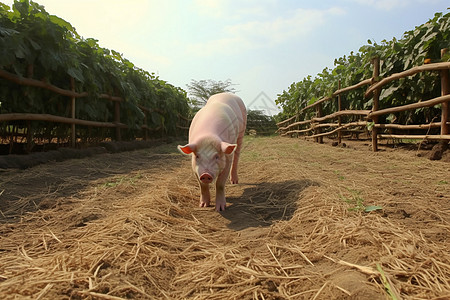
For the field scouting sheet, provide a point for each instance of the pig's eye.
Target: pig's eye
(197, 156)
(216, 157)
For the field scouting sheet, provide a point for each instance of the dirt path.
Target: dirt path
(127, 225)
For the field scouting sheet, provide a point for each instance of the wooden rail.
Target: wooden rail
(56, 119)
(427, 103)
(407, 73)
(40, 84)
(73, 95)
(291, 126)
(288, 129)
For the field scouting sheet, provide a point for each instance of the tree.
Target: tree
(201, 90)
(261, 123)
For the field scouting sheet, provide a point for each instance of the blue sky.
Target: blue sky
(261, 45)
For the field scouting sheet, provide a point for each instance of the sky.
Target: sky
(262, 46)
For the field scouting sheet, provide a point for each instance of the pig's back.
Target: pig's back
(233, 101)
(223, 115)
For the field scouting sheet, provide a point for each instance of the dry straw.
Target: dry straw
(112, 230)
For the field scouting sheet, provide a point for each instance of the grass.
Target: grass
(386, 283)
(357, 202)
(122, 180)
(341, 177)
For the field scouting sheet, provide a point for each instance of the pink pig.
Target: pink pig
(215, 142)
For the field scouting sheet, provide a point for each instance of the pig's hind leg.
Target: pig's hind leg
(234, 167)
(234, 178)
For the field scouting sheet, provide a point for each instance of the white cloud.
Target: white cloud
(232, 8)
(256, 34)
(389, 5)
(211, 8)
(299, 24)
(226, 45)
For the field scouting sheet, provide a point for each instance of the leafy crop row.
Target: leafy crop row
(414, 48)
(38, 45)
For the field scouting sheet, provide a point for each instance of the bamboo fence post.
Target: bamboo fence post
(445, 90)
(318, 130)
(117, 119)
(295, 120)
(72, 113)
(29, 145)
(30, 135)
(339, 118)
(375, 105)
(145, 128)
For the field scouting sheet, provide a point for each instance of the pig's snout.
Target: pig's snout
(206, 178)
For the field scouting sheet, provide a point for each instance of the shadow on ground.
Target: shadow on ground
(42, 187)
(265, 203)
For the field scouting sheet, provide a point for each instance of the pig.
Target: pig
(215, 143)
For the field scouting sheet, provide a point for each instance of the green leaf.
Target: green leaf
(35, 45)
(62, 23)
(386, 283)
(7, 32)
(21, 51)
(372, 208)
(312, 100)
(75, 73)
(391, 118)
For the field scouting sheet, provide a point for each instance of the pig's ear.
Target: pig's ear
(227, 148)
(187, 149)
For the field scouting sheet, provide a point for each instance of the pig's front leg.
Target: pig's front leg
(205, 197)
(221, 203)
(220, 188)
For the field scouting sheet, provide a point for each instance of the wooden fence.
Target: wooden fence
(72, 120)
(369, 118)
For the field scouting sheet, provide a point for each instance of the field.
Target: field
(307, 221)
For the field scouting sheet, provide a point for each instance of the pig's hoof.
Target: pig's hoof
(234, 180)
(220, 206)
(203, 204)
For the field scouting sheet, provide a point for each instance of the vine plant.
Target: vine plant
(41, 46)
(416, 47)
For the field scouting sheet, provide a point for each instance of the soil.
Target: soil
(306, 221)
